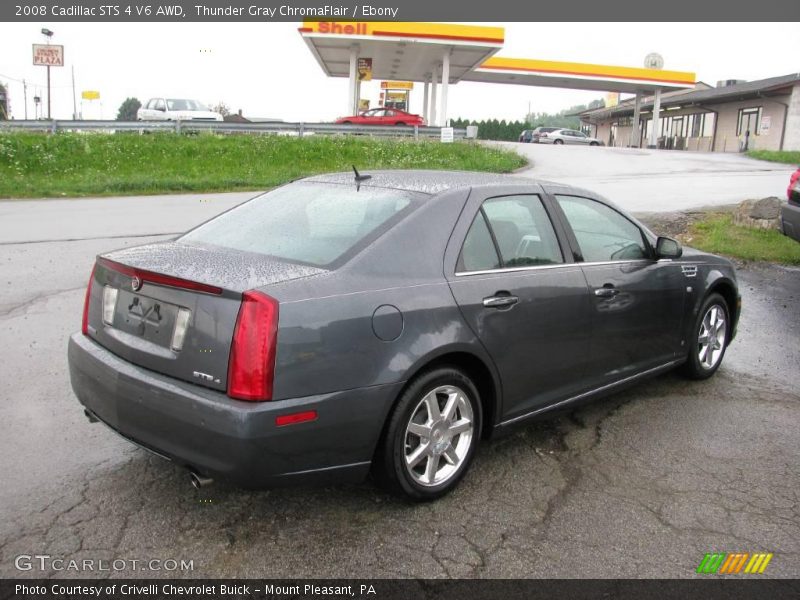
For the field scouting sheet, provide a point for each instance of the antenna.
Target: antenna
(360, 178)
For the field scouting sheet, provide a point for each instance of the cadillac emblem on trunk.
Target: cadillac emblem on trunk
(136, 284)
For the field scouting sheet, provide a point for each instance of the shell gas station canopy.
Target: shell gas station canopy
(441, 54)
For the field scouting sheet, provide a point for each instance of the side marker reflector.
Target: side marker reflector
(294, 418)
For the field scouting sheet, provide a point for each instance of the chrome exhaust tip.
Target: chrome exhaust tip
(199, 481)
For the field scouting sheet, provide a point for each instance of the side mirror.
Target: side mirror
(668, 248)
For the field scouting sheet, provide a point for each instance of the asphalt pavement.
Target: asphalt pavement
(643, 180)
(640, 484)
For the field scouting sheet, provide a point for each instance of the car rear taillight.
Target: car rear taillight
(85, 321)
(251, 367)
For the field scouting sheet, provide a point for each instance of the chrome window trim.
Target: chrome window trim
(560, 265)
(515, 269)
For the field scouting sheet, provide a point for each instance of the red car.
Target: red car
(383, 116)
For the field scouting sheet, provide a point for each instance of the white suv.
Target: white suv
(176, 109)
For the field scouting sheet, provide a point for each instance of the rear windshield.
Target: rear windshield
(311, 223)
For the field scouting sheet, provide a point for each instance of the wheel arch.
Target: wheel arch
(727, 289)
(478, 368)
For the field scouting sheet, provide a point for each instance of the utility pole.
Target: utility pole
(25, 96)
(48, 34)
(74, 101)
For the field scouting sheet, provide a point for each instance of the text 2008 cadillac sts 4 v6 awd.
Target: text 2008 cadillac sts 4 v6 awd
(338, 325)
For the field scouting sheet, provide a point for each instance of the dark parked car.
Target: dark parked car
(532, 136)
(790, 213)
(335, 325)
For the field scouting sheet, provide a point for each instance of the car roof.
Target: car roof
(423, 181)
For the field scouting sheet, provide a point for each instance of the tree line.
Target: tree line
(502, 130)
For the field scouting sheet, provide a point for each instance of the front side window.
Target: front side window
(510, 231)
(603, 234)
(307, 222)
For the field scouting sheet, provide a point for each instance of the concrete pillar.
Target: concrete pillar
(656, 120)
(637, 136)
(791, 126)
(434, 84)
(425, 98)
(351, 89)
(445, 86)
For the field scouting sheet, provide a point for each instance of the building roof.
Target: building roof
(702, 94)
(412, 51)
(399, 50)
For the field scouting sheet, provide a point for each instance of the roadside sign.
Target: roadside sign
(48, 55)
(90, 95)
(766, 122)
(448, 135)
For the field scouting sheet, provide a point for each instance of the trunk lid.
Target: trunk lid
(171, 307)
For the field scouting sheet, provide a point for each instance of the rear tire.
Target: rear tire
(431, 436)
(709, 340)
(593, 144)
(558, 142)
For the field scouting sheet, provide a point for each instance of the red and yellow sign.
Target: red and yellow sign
(364, 69)
(397, 85)
(392, 29)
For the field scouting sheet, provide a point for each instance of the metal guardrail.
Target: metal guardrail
(281, 128)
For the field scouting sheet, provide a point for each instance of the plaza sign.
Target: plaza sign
(47, 55)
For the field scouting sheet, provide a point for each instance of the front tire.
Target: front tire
(431, 436)
(709, 340)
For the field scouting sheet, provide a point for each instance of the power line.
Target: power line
(31, 82)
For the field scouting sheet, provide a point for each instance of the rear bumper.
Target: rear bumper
(229, 439)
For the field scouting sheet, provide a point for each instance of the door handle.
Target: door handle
(500, 301)
(606, 292)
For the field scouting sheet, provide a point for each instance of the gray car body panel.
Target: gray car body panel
(790, 218)
(350, 338)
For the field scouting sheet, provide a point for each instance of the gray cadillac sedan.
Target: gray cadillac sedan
(340, 325)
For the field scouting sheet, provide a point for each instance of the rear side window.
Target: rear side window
(307, 222)
(520, 233)
(603, 234)
(478, 252)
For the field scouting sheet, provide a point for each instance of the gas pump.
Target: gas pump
(396, 94)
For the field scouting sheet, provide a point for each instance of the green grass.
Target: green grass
(72, 164)
(717, 234)
(780, 156)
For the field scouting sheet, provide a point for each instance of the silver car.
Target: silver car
(176, 109)
(568, 136)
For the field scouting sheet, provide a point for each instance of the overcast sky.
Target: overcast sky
(266, 69)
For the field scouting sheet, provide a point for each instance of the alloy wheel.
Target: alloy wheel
(711, 337)
(438, 436)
